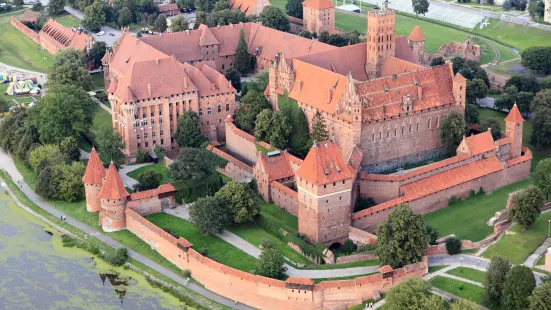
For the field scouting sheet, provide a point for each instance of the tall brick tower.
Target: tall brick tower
(93, 180)
(459, 88)
(380, 39)
(113, 198)
(324, 184)
(318, 15)
(416, 41)
(513, 130)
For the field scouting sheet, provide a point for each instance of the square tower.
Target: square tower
(325, 183)
(380, 39)
(513, 130)
(318, 15)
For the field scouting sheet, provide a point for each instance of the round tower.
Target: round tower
(93, 180)
(113, 197)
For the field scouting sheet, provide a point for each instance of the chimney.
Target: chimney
(231, 25)
(299, 86)
(420, 92)
(187, 31)
(149, 88)
(329, 95)
(157, 61)
(185, 81)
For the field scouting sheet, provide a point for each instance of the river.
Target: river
(37, 272)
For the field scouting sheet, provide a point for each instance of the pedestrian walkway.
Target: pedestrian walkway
(8, 165)
(40, 76)
(540, 251)
(125, 169)
(451, 276)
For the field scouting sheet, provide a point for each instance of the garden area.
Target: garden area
(468, 273)
(68, 20)
(462, 289)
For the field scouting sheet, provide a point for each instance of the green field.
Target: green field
(468, 273)
(467, 219)
(518, 244)
(436, 268)
(19, 51)
(319, 280)
(464, 290)
(218, 249)
(159, 167)
(515, 35)
(98, 81)
(68, 20)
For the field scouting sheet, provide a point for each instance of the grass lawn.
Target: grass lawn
(464, 290)
(159, 167)
(218, 249)
(280, 217)
(254, 235)
(436, 268)
(97, 81)
(319, 280)
(19, 51)
(517, 246)
(467, 219)
(515, 35)
(468, 273)
(363, 263)
(68, 20)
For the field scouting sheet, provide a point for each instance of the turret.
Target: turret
(113, 197)
(459, 89)
(380, 39)
(416, 41)
(513, 130)
(93, 180)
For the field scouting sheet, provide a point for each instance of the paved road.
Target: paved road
(533, 259)
(125, 169)
(40, 76)
(107, 38)
(7, 164)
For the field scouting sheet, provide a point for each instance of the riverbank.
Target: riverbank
(184, 294)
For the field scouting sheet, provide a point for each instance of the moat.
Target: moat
(37, 272)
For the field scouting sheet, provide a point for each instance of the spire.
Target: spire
(416, 35)
(514, 115)
(113, 188)
(95, 172)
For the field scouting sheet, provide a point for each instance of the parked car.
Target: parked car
(100, 33)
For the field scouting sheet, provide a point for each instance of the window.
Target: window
(153, 134)
(143, 115)
(209, 111)
(160, 120)
(161, 109)
(162, 141)
(373, 137)
(145, 135)
(144, 122)
(161, 132)
(200, 111)
(219, 108)
(227, 107)
(417, 126)
(152, 121)
(146, 144)
(152, 113)
(139, 145)
(138, 136)
(135, 116)
(380, 135)
(409, 128)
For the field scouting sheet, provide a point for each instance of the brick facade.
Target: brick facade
(318, 20)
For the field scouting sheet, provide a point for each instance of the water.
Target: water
(37, 272)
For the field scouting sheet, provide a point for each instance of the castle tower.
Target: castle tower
(513, 130)
(113, 197)
(416, 41)
(318, 15)
(282, 78)
(324, 184)
(93, 179)
(380, 39)
(459, 88)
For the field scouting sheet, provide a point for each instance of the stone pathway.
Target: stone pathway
(446, 275)
(125, 169)
(240, 243)
(7, 164)
(540, 251)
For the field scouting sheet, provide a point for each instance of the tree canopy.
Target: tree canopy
(188, 130)
(55, 7)
(178, 24)
(496, 274)
(494, 125)
(160, 23)
(273, 17)
(526, 206)
(69, 68)
(319, 131)
(537, 58)
(125, 17)
(518, 287)
(420, 7)
(192, 164)
(149, 179)
(94, 16)
(413, 294)
(270, 264)
(240, 200)
(471, 114)
(539, 300)
(542, 176)
(242, 63)
(209, 215)
(294, 8)
(476, 89)
(97, 52)
(234, 77)
(452, 131)
(251, 105)
(110, 142)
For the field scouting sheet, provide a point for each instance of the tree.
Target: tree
(69, 68)
(221, 5)
(204, 5)
(542, 176)
(494, 124)
(97, 52)
(471, 114)
(402, 239)
(526, 206)
(518, 287)
(160, 23)
(432, 233)
(65, 111)
(209, 215)
(28, 140)
(258, 84)
(537, 58)
(146, 6)
(273, 17)
(541, 128)
(464, 304)
(240, 201)
(453, 245)
(151, 19)
(18, 3)
(523, 100)
(125, 17)
(523, 83)
(69, 148)
(234, 77)
(55, 7)
(262, 125)
(411, 294)
(71, 187)
(541, 100)
(536, 9)
(37, 7)
(279, 130)
(437, 61)
(294, 8)
(4, 106)
(251, 105)
(539, 300)
(44, 181)
(323, 36)
(457, 63)
(110, 142)
(94, 16)
(270, 264)
(149, 179)
(546, 83)
(496, 274)
(452, 131)
(299, 140)
(319, 131)
(192, 164)
(305, 33)
(420, 7)
(49, 153)
(476, 89)
(179, 24)
(242, 55)
(188, 130)
(187, 4)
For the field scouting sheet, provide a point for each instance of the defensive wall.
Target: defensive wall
(261, 292)
(31, 34)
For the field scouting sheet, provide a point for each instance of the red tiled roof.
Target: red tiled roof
(29, 16)
(64, 37)
(95, 172)
(388, 96)
(112, 188)
(245, 6)
(162, 189)
(515, 161)
(514, 115)
(206, 37)
(354, 157)
(334, 61)
(477, 144)
(385, 269)
(402, 49)
(299, 280)
(276, 166)
(416, 34)
(168, 8)
(393, 66)
(504, 141)
(318, 4)
(324, 164)
(459, 77)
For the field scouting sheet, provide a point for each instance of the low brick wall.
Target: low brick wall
(359, 236)
(284, 197)
(355, 258)
(31, 34)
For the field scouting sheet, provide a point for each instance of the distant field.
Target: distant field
(515, 35)
(19, 51)
(68, 20)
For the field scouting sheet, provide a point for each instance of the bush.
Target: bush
(365, 248)
(453, 245)
(494, 91)
(186, 273)
(472, 193)
(117, 257)
(266, 244)
(481, 191)
(348, 247)
(141, 157)
(364, 203)
(453, 200)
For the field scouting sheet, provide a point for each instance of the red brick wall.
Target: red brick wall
(355, 258)
(380, 191)
(25, 30)
(359, 236)
(241, 143)
(284, 197)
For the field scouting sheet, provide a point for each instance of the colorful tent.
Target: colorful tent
(26, 85)
(3, 77)
(12, 88)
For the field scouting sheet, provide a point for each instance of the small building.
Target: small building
(30, 17)
(170, 9)
(55, 37)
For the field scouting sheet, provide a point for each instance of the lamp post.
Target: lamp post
(461, 259)
(548, 227)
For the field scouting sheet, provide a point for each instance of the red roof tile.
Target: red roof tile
(477, 144)
(402, 49)
(299, 280)
(95, 172)
(112, 188)
(162, 189)
(332, 60)
(318, 4)
(206, 37)
(276, 166)
(393, 66)
(168, 8)
(324, 164)
(515, 161)
(514, 115)
(64, 37)
(385, 269)
(416, 34)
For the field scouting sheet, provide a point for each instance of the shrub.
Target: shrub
(186, 273)
(453, 200)
(348, 247)
(481, 191)
(494, 91)
(365, 248)
(266, 244)
(117, 257)
(364, 203)
(472, 193)
(453, 245)
(141, 157)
